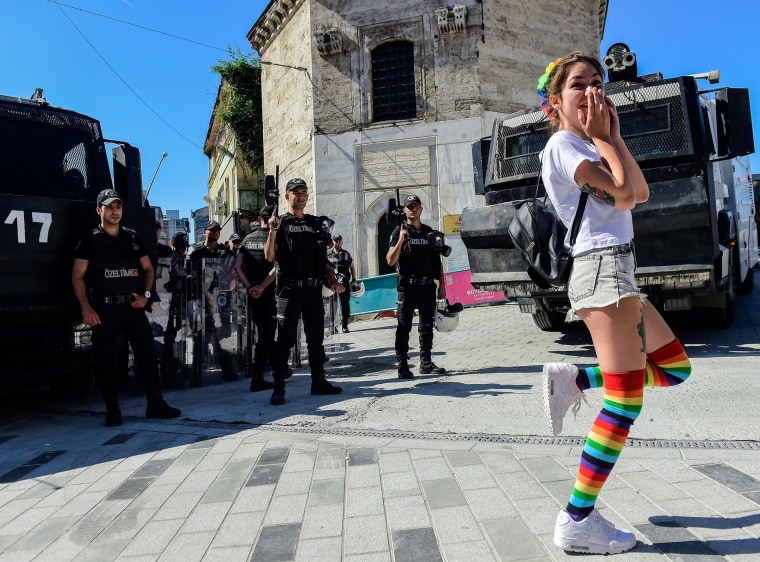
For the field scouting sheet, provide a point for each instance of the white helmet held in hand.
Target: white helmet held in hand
(447, 319)
(357, 289)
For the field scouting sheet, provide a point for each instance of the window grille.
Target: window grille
(393, 89)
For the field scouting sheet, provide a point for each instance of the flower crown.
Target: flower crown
(542, 85)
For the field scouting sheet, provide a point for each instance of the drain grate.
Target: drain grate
(517, 439)
(477, 437)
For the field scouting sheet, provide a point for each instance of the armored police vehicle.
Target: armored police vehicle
(53, 163)
(695, 238)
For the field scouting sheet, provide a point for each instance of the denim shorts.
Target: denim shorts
(602, 277)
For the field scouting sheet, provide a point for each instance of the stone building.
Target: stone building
(235, 191)
(364, 98)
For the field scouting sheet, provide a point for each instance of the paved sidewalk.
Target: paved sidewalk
(450, 468)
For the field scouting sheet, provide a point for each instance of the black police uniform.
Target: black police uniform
(262, 311)
(418, 267)
(113, 274)
(177, 286)
(195, 266)
(200, 251)
(341, 264)
(301, 263)
(163, 253)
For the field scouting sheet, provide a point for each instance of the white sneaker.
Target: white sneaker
(560, 392)
(592, 535)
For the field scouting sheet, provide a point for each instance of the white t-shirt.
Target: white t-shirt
(603, 225)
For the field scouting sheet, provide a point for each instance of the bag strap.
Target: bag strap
(576, 226)
(577, 218)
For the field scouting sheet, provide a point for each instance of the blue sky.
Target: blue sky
(163, 95)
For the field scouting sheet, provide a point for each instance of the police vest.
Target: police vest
(341, 263)
(256, 265)
(200, 252)
(299, 252)
(177, 275)
(114, 262)
(417, 256)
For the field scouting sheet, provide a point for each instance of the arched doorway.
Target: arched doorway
(384, 231)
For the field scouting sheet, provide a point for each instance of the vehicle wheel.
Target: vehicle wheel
(748, 284)
(720, 316)
(552, 321)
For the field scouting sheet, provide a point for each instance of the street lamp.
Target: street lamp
(164, 155)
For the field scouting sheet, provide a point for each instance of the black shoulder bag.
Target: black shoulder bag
(539, 235)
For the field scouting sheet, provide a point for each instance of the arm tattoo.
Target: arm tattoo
(599, 194)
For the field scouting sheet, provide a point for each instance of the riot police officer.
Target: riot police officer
(112, 263)
(296, 246)
(210, 248)
(252, 269)
(343, 265)
(418, 263)
(234, 243)
(177, 287)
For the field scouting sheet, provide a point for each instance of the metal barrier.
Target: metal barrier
(379, 295)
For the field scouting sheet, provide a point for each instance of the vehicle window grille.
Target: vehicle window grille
(658, 120)
(61, 164)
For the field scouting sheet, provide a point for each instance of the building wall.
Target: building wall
(463, 79)
(353, 172)
(521, 38)
(288, 102)
(460, 74)
(232, 185)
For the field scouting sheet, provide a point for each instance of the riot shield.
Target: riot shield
(159, 310)
(332, 320)
(170, 322)
(218, 320)
(299, 353)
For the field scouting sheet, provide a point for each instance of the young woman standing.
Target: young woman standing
(634, 345)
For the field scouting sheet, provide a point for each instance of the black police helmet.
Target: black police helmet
(180, 239)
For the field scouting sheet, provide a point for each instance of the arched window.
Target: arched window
(393, 91)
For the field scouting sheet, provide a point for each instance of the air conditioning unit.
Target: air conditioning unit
(219, 207)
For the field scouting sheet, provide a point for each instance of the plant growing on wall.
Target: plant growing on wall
(240, 104)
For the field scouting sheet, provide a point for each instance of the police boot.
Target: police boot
(403, 368)
(227, 364)
(170, 375)
(258, 382)
(158, 409)
(320, 386)
(427, 367)
(113, 414)
(278, 394)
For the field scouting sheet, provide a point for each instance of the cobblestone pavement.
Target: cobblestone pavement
(443, 467)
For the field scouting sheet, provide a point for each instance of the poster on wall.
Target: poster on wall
(457, 260)
(459, 289)
(452, 228)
